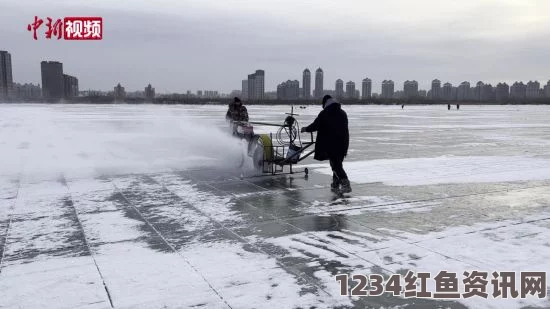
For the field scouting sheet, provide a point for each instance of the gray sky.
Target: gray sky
(180, 45)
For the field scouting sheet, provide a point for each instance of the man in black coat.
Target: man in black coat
(332, 141)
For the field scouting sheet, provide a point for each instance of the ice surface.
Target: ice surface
(142, 206)
(448, 169)
(54, 283)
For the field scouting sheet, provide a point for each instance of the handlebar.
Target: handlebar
(311, 136)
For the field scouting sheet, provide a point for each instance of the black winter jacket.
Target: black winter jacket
(237, 113)
(332, 133)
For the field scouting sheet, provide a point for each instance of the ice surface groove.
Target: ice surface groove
(316, 237)
(3, 245)
(7, 232)
(172, 247)
(85, 239)
(286, 267)
(279, 220)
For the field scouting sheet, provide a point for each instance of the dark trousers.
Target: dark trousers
(338, 173)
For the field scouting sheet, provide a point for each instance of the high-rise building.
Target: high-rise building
(318, 83)
(289, 90)
(27, 91)
(357, 94)
(251, 86)
(463, 91)
(366, 88)
(6, 78)
(244, 89)
(518, 90)
(294, 89)
(256, 85)
(210, 94)
(478, 91)
(447, 91)
(422, 93)
(454, 93)
(350, 90)
(306, 84)
(70, 86)
(52, 80)
(533, 90)
(119, 92)
(281, 91)
(436, 89)
(387, 89)
(488, 93)
(547, 90)
(259, 84)
(502, 92)
(149, 92)
(410, 89)
(339, 89)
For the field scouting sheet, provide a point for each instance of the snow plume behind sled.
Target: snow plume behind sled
(44, 141)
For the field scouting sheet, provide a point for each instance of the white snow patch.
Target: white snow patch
(110, 226)
(59, 282)
(445, 169)
(360, 205)
(254, 279)
(473, 126)
(483, 247)
(216, 207)
(137, 275)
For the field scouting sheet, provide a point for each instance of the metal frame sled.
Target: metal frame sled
(271, 153)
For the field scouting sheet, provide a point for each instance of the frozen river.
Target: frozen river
(140, 206)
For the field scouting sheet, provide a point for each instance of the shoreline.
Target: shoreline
(277, 103)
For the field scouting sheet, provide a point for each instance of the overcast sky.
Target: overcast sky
(180, 45)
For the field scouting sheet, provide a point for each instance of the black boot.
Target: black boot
(346, 187)
(335, 185)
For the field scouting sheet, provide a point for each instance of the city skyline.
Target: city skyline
(180, 47)
(57, 85)
(306, 76)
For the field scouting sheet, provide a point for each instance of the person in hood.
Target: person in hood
(230, 108)
(332, 141)
(237, 111)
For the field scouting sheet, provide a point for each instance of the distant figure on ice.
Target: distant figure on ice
(402, 106)
(236, 111)
(458, 106)
(449, 107)
(332, 141)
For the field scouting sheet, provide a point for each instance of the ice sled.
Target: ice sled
(271, 152)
